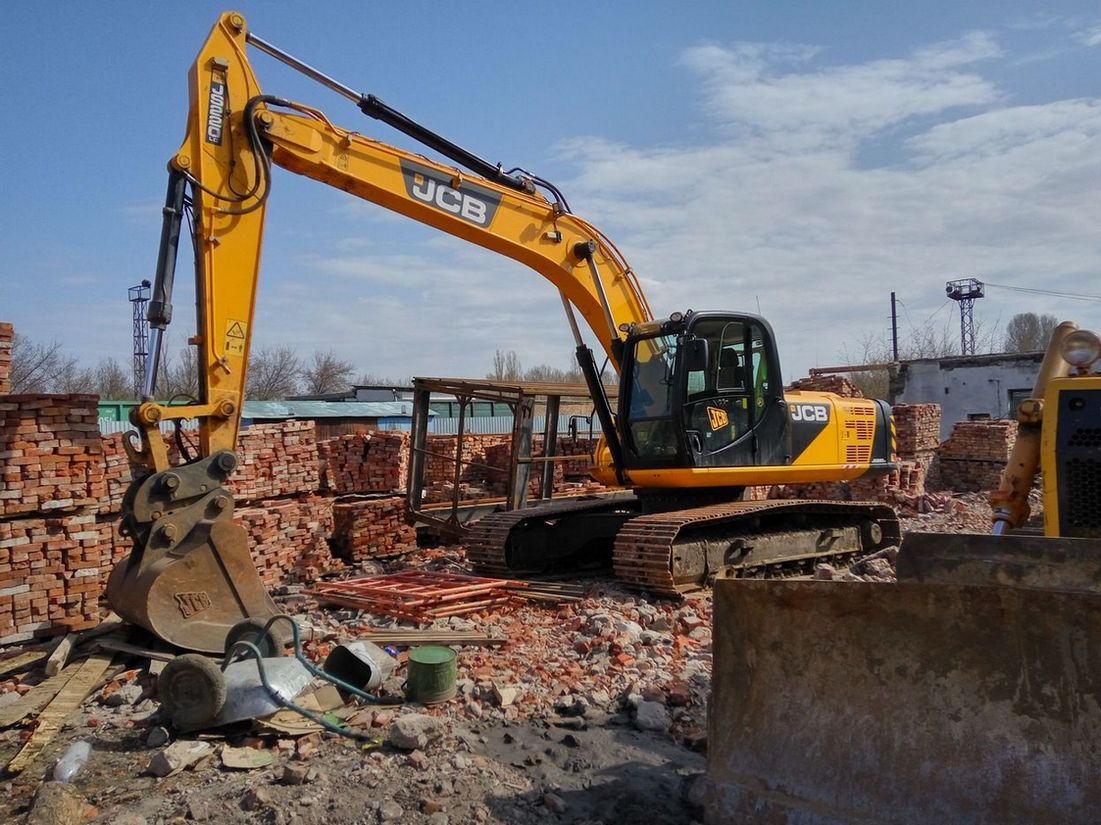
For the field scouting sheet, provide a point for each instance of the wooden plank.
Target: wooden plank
(60, 656)
(61, 708)
(22, 661)
(36, 698)
(110, 643)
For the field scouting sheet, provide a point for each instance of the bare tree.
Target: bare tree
(110, 381)
(273, 373)
(39, 367)
(1029, 332)
(506, 366)
(371, 379)
(327, 373)
(179, 375)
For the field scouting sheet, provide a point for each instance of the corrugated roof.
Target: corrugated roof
(329, 409)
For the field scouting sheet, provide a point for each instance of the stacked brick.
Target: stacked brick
(6, 336)
(288, 538)
(51, 453)
(975, 454)
(51, 481)
(917, 433)
(837, 384)
(474, 475)
(366, 462)
(371, 528)
(49, 576)
(275, 460)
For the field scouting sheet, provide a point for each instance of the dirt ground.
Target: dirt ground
(592, 712)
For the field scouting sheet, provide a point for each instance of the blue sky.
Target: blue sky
(803, 158)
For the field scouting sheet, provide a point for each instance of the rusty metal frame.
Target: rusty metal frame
(522, 397)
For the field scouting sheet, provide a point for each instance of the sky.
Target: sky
(800, 160)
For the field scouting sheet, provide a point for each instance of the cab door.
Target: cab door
(730, 402)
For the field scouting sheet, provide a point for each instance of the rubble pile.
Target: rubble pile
(364, 462)
(288, 537)
(836, 384)
(371, 528)
(275, 460)
(7, 333)
(975, 454)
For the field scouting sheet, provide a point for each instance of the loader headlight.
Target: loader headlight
(1081, 348)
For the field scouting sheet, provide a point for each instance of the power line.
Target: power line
(1075, 295)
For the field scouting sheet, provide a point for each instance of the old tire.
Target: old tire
(252, 630)
(192, 690)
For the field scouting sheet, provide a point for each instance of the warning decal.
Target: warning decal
(235, 337)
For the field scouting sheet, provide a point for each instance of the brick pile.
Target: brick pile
(7, 333)
(118, 473)
(275, 460)
(288, 538)
(439, 466)
(51, 454)
(917, 433)
(51, 481)
(371, 528)
(975, 454)
(364, 462)
(837, 384)
(49, 576)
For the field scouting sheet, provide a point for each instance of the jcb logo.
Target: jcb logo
(718, 417)
(471, 203)
(810, 412)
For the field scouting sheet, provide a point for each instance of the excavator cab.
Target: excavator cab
(703, 390)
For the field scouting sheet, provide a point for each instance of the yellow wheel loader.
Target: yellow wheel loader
(969, 691)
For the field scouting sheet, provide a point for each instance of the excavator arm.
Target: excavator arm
(234, 136)
(190, 577)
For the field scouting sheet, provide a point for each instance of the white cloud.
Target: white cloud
(1091, 36)
(783, 205)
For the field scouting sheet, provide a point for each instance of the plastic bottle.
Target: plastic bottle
(69, 765)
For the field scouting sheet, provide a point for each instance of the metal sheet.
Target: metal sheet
(904, 703)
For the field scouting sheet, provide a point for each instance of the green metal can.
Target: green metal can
(431, 676)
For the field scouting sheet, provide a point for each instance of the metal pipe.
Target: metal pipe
(572, 319)
(305, 68)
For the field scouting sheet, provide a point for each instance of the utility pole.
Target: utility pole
(894, 329)
(965, 291)
(139, 300)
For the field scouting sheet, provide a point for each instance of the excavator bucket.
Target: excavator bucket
(925, 701)
(190, 577)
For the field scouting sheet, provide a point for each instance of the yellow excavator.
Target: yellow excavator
(701, 416)
(967, 691)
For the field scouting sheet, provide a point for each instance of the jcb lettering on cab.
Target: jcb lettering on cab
(810, 412)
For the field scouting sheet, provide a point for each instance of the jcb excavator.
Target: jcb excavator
(702, 413)
(967, 691)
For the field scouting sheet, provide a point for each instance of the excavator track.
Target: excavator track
(647, 556)
(661, 553)
(487, 540)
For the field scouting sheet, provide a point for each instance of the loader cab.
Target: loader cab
(702, 390)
